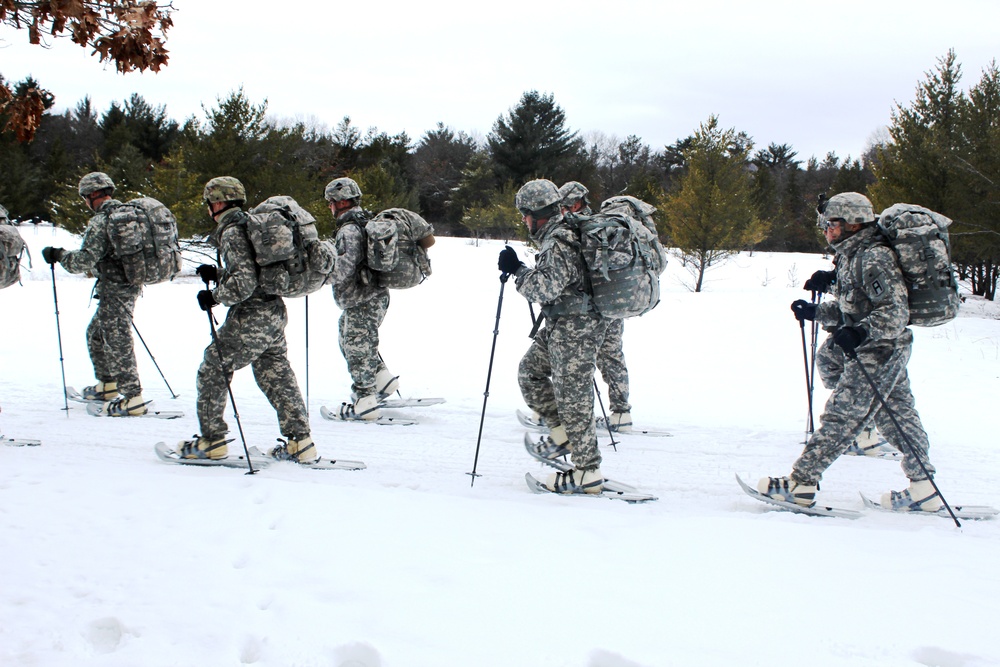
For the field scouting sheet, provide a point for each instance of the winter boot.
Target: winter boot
(126, 407)
(788, 490)
(553, 445)
(363, 409)
(576, 481)
(302, 450)
(386, 384)
(102, 391)
(618, 422)
(204, 448)
(870, 443)
(919, 497)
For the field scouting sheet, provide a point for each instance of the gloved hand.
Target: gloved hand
(821, 281)
(52, 255)
(206, 300)
(848, 338)
(208, 272)
(508, 262)
(804, 310)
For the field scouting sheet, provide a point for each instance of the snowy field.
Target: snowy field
(111, 557)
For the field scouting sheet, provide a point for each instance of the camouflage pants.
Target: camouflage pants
(853, 405)
(358, 331)
(109, 337)
(556, 376)
(252, 335)
(611, 363)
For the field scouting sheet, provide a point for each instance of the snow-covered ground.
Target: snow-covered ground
(111, 557)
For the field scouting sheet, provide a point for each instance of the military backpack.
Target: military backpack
(291, 259)
(143, 235)
(919, 238)
(394, 252)
(623, 256)
(11, 249)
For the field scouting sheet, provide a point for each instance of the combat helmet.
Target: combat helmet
(851, 207)
(573, 192)
(340, 189)
(537, 195)
(94, 181)
(224, 188)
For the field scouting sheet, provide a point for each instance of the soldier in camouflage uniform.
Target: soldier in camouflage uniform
(556, 375)
(252, 335)
(611, 355)
(870, 316)
(364, 304)
(109, 335)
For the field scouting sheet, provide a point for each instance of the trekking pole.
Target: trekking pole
(62, 366)
(906, 440)
(383, 363)
(489, 375)
(805, 362)
(229, 385)
(307, 354)
(172, 394)
(607, 422)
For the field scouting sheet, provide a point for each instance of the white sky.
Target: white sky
(818, 76)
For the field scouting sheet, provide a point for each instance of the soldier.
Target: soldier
(109, 335)
(556, 375)
(610, 356)
(252, 335)
(870, 314)
(364, 304)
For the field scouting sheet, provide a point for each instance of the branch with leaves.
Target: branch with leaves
(130, 33)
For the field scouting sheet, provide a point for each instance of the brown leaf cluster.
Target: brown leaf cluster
(131, 33)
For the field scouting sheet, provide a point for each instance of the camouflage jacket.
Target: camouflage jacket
(352, 280)
(558, 281)
(95, 254)
(237, 267)
(870, 291)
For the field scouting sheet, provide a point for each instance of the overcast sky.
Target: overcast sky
(818, 76)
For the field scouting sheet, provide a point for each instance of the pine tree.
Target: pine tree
(532, 141)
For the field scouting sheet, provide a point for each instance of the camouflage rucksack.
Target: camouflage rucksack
(143, 235)
(394, 252)
(624, 257)
(920, 240)
(291, 258)
(11, 249)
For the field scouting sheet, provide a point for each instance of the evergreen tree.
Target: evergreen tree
(711, 215)
(438, 161)
(532, 141)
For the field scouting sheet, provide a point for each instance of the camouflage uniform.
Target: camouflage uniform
(253, 334)
(556, 375)
(109, 335)
(363, 302)
(878, 304)
(610, 356)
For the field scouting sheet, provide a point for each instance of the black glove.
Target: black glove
(206, 300)
(804, 310)
(848, 338)
(208, 272)
(821, 281)
(52, 255)
(508, 262)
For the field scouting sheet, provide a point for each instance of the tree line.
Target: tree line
(717, 193)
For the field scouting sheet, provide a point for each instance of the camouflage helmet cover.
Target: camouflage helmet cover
(536, 195)
(342, 188)
(94, 181)
(851, 207)
(573, 192)
(224, 188)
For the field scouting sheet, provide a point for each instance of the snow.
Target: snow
(112, 558)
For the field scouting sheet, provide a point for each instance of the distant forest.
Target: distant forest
(716, 191)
